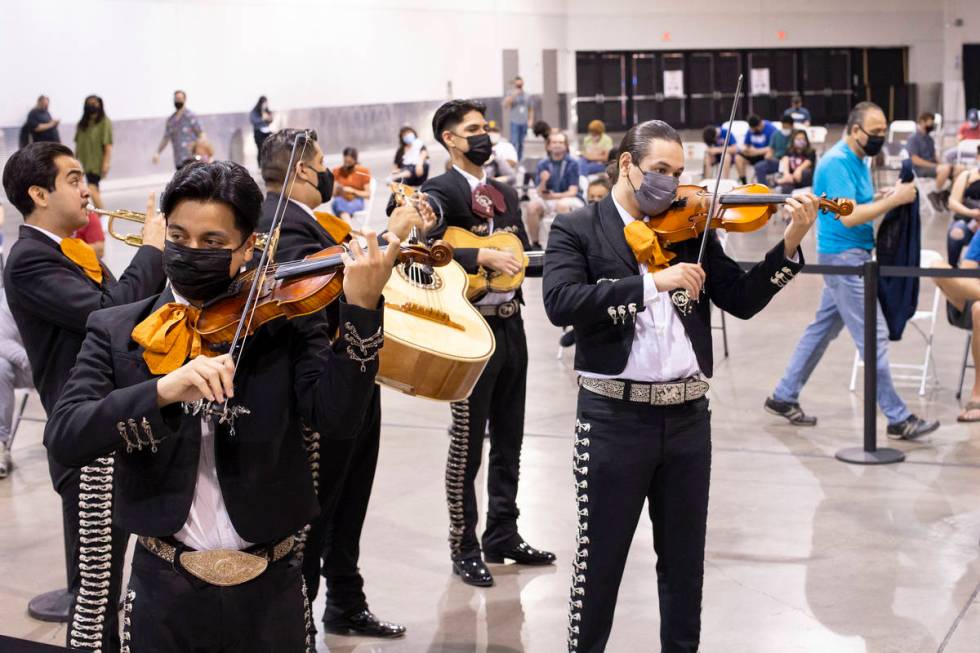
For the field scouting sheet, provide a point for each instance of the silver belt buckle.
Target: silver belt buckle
(507, 309)
(667, 394)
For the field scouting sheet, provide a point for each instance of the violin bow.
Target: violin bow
(227, 414)
(682, 299)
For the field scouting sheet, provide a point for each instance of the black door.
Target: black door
(827, 84)
(601, 85)
(781, 67)
(971, 75)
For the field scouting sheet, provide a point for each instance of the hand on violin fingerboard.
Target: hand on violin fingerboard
(367, 271)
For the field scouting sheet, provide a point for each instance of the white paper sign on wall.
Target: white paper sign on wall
(674, 83)
(760, 81)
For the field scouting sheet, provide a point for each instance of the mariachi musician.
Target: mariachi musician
(468, 199)
(643, 426)
(343, 463)
(53, 283)
(216, 502)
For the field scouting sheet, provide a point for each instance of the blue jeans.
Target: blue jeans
(518, 132)
(341, 205)
(841, 304)
(587, 167)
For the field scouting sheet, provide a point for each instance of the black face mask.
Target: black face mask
(91, 109)
(178, 105)
(324, 184)
(929, 128)
(197, 274)
(481, 149)
(874, 144)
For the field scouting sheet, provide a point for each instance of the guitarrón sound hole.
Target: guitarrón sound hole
(420, 276)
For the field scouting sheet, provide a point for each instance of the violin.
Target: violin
(292, 289)
(744, 209)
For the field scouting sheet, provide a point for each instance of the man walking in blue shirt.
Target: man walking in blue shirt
(843, 172)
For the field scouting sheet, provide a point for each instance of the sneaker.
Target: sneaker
(790, 410)
(912, 428)
(944, 199)
(936, 202)
(6, 462)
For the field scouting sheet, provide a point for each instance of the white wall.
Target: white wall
(300, 53)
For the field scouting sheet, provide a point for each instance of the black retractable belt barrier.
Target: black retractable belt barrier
(869, 453)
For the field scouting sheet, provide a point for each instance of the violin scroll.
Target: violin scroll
(438, 254)
(839, 206)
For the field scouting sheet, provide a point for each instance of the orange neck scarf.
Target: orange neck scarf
(169, 338)
(81, 254)
(643, 241)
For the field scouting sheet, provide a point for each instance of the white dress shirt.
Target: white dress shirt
(208, 524)
(55, 237)
(661, 349)
(491, 298)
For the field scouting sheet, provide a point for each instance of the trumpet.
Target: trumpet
(136, 240)
(133, 240)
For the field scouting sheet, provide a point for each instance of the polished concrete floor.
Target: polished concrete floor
(804, 553)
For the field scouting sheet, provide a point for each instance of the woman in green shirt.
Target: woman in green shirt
(93, 144)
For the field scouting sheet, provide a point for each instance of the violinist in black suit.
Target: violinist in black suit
(216, 503)
(642, 432)
(53, 282)
(467, 198)
(343, 465)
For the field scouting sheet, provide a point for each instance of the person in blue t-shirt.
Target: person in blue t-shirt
(755, 148)
(843, 172)
(714, 138)
(798, 113)
(558, 186)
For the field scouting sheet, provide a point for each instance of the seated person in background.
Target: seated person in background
(411, 159)
(964, 202)
(922, 151)
(15, 372)
(797, 164)
(351, 185)
(968, 131)
(93, 234)
(797, 112)
(201, 150)
(714, 138)
(503, 165)
(963, 310)
(755, 148)
(596, 146)
(558, 191)
(598, 189)
(778, 145)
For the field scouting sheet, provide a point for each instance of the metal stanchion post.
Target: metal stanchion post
(870, 454)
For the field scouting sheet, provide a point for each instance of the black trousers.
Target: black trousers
(497, 399)
(95, 552)
(627, 453)
(333, 544)
(168, 610)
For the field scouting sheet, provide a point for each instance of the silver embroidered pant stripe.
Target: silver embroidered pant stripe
(627, 454)
(170, 611)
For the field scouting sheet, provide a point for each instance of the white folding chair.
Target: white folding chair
(922, 372)
(360, 219)
(694, 152)
(738, 131)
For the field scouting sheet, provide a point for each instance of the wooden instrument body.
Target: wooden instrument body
(485, 280)
(436, 343)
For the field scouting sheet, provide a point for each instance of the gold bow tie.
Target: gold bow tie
(81, 254)
(643, 241)
(169, 338)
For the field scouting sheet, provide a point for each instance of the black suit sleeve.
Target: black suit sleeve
(443, 206)
(334, 384)
(85, 422)
(50, 286)
(741, 293)
(569, 297)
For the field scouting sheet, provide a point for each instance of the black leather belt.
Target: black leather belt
(503, 311)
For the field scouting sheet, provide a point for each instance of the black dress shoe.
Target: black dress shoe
(363, 624)
(522, 554)
(472, 571)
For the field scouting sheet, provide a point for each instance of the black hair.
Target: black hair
(754, 121)
(709, 135)
(637, 139)
(858, 112)
(787, 119)
(451, 114)
(88, 120)
(541, 129)
(927, 115)
(258, 104)
(792, 140)
(218, 181)
(795, 99)
(351, 152)
(33, 165)
(601, 181)
(276, 150)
